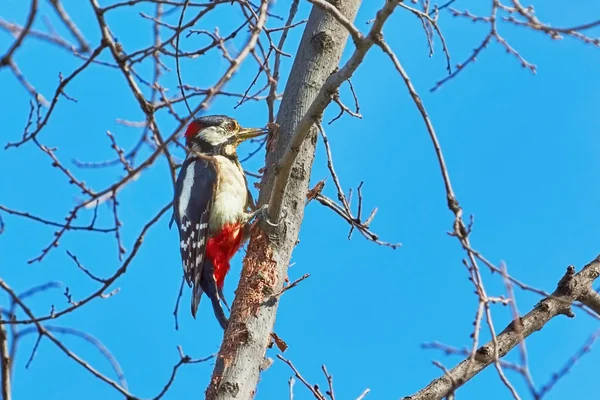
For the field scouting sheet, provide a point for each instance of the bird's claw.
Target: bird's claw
(264, 216)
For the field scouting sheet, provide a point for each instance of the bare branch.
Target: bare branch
(314, 389)
(357, 37)
(7, 57)
(5, 363)
(45, 332)
(66, 19)
(88, 338)
(587, 346)
(569, 289)
(109, 281)
(183, 359)
(322, 100)
(291, 382)
(291, 285)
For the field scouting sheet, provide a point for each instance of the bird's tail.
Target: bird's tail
(208, 285)
(196, 295)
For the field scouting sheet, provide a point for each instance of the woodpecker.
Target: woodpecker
(211, 206)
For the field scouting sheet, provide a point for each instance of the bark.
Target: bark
(572, 287)
(253, 312)
(4, 363)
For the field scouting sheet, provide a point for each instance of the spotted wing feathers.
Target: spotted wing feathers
(193, 245)
(194, 191)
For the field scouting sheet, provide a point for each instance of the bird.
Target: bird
(212, 206)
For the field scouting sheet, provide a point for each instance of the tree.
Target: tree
(172, 66)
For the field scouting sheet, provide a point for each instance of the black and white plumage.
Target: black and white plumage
(211, 199)
(194, 190)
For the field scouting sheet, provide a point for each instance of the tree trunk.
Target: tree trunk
(253, 312)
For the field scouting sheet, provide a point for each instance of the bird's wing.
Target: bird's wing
(194, 192)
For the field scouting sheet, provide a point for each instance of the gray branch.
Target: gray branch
(304, 121)
(5, 363)
(572, 287)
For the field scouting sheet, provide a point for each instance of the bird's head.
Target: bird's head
(218, 134)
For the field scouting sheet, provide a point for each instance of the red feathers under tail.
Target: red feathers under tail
(221, 248)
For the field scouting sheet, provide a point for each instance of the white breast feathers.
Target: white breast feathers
(231, 194)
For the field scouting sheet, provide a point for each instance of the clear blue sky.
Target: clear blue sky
(522, 150)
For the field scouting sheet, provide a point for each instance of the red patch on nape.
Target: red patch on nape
(192, 129)
(221, 248)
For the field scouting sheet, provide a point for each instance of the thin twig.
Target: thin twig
(310, 387)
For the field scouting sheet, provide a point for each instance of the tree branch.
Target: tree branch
(6, 58)
(265, 267)
(5, 362)
(590, 298)
(572, 287)
(323, 98)
(45, 332)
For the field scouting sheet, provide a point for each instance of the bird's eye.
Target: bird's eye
(231, 126)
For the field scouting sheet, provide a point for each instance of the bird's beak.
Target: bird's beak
(249, 133)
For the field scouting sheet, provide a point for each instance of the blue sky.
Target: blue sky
(521, 150)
